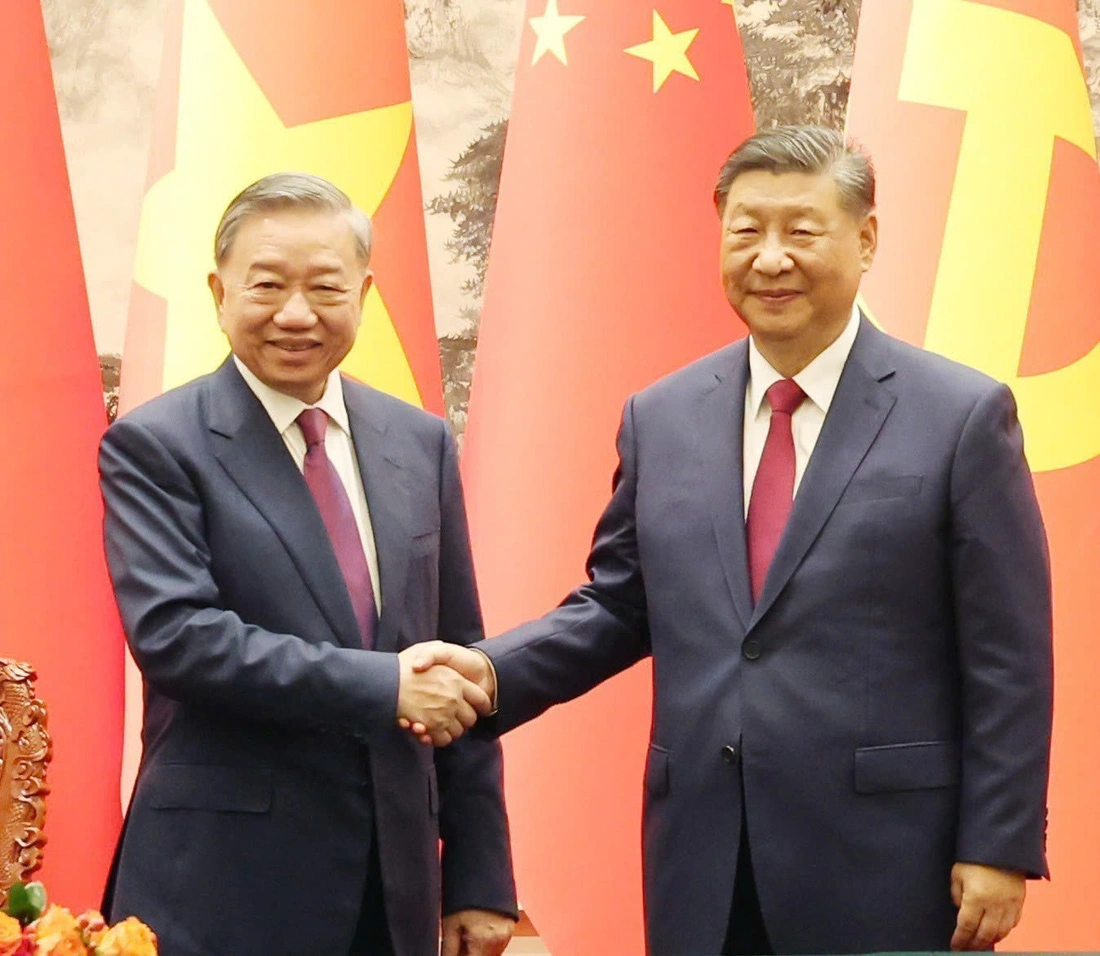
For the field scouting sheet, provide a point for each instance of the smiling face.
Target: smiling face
(289, 294)
(792, 258)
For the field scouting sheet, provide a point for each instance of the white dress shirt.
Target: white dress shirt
(818, 380)
(284, 411)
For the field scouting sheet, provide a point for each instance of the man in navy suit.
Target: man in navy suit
(278, 537)
(829, 543)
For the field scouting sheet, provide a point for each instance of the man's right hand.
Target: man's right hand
(471, 665)
(435, 699)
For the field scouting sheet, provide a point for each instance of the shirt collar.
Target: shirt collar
(818, 380)
(284, 409)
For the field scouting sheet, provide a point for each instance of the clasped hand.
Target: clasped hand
(443, 688)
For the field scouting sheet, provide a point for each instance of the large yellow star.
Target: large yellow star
(550, 29)
(228, 135)
(667, 51)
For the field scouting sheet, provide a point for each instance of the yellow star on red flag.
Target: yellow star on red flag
(550, 29)
(667, 51)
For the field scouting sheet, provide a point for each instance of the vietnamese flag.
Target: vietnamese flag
(978, 119)
(603, 276)
(57, 611)
(320, 86)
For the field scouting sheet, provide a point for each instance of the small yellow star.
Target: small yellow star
(551, 29)
(667, 51)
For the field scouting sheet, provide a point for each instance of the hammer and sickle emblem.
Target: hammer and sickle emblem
(1025, 89)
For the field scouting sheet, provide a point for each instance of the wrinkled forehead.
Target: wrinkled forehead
(761, 192)
(296, 233)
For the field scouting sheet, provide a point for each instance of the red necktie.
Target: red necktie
(773, 487)
(339, 518)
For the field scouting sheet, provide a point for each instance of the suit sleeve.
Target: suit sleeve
(1001, 582)
(600, 629)
(184, 640)
(473, 823)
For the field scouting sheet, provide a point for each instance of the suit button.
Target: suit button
(750, 650)
(730, 754)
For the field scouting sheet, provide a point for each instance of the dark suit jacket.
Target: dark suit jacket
(270, 747)
(888, 700)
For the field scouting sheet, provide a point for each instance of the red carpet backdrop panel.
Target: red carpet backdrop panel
(56, 608)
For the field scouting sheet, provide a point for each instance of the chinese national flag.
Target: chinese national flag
(603, 276)
(978, 120)
(320, 86)
(56, 608)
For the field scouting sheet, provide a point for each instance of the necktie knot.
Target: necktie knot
(785, 396)
(313, 422)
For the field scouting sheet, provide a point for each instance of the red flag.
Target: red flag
(56, 607)
(978, 119)
(230, 111)
(603, 276)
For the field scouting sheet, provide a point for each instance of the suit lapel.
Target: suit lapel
(255, 457)
(381, 466)
(720, 449)
(857, 413)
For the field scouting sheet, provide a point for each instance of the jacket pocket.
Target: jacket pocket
(876, 489)
(917, 766)
(657, 771)
(426, 542)
(203, 787)
(433, 792)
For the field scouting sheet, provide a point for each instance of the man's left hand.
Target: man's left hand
(476, 933)
(990, 902)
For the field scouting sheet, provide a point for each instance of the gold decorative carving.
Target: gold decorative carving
(25, 750)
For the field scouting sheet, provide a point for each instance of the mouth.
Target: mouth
(294, 346)
(776, 298)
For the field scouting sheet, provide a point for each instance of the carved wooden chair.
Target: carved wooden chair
(25, 750)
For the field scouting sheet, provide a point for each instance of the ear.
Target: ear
(368, 281)
(217, 289)
(868, 240)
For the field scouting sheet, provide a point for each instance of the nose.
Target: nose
(772, 258)
(296, 312)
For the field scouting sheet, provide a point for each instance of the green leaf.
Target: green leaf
(26, 902)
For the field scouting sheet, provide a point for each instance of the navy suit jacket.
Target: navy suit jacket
(270, 751)
(887, 703)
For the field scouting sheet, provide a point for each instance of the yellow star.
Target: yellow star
(228, 135)
(551, 29)
(667, 51)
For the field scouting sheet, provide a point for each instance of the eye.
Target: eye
(266, 284)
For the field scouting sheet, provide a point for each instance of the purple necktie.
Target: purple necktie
(336, 512)
(773, 488)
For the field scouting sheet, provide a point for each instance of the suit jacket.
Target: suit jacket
(270, 752)
(887, 703)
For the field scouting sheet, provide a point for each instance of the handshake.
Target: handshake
(443, 690)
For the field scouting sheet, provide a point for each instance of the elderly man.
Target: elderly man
(278, 536)
(829, 543)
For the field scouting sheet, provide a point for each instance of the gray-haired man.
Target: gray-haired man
(278, 536)
(829, 543)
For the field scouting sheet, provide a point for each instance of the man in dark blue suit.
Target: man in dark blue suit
(829, 543)
(278, 537)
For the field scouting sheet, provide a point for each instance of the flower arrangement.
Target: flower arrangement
(31, 927)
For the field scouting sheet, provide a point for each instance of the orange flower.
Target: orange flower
(57, 933)
(92, 927)
(131, 937)
(12, 940)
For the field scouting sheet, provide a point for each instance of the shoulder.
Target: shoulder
(923, 374)
(175, 411)
(692, 380)
(397, 415)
